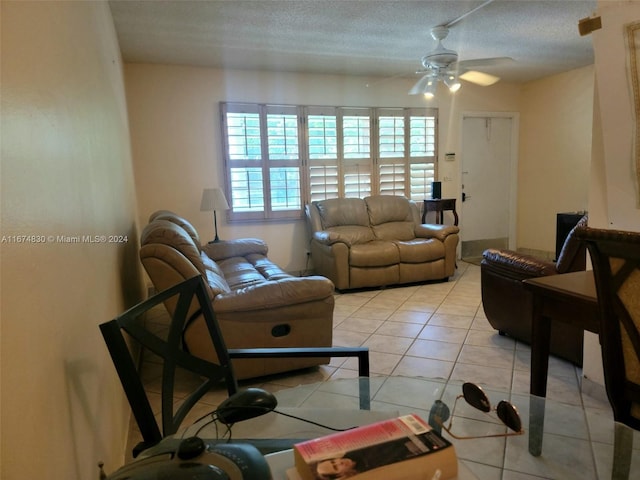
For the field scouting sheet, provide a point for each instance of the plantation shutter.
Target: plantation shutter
(284, 161)
(356, 154)
(392, 157)
(244, 154)
(279, 157)
(422, 152)
(322, 145)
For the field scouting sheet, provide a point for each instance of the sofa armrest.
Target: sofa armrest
(235, 248)
(268, 295)
(517, 265)
(325, 237)
(441, 232)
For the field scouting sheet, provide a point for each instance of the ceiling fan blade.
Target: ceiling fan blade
(479, 78)
(420, 85)
(483, 62)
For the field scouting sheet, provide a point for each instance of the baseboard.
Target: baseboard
(474, 248)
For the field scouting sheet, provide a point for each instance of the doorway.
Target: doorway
(489, 180)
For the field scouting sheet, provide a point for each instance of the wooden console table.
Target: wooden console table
(439, 205)
(570, 298)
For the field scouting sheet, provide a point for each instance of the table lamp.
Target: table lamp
(213, 199)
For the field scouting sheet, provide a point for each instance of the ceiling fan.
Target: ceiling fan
(442, 65)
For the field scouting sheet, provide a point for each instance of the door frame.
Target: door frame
(513, 180)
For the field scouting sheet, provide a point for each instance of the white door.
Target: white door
(488, 184)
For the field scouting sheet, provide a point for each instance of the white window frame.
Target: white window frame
(326, 169)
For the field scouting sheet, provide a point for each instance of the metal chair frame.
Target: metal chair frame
(175, 356)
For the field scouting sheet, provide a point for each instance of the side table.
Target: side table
(570, 298)
(439, 205)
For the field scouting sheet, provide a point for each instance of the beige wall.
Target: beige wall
(555, 154)
(176, 141)
(66, 171)
(613, 195)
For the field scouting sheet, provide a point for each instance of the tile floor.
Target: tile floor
(435, 330)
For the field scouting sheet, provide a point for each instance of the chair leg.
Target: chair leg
(364, 387)
(622, 449)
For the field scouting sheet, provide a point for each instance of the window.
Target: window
(263, 161)
(279, 157)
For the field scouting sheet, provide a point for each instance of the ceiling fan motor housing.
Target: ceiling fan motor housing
(439, 58)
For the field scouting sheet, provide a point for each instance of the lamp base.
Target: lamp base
(215, 227)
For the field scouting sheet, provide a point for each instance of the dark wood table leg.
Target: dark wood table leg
(540, 339)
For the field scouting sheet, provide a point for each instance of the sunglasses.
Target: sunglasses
(475, 396)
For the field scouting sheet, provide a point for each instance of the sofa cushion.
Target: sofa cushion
(267, 268)
(403, 231)
(240, 273)
(236, 248)
(178, 220)
(165, 232)
(343, 211)
(373, 254)
(390, 217)
(386, 208)
(214, 275)
(168, 233)
(420, 250)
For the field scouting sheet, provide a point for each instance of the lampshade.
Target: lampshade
(213, 199)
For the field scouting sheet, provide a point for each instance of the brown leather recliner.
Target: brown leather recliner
(257, 304)
(508, 305)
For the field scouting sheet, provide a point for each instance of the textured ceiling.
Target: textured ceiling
(355, 37)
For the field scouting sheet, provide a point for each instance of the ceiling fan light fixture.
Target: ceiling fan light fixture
(430, 89)
(479, 78)
(451, 81)
(421, 85)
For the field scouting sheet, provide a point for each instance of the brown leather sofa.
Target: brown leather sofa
(508, 305)
(257, 304)
(378, 241)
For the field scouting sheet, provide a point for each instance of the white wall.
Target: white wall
(66, 170)
(176, 139)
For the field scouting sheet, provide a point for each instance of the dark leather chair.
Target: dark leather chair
(191, 300)
(508, 305)
(615, 256)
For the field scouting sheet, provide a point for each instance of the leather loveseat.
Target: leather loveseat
(508, 304)
(378, 241)
(257, 304)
